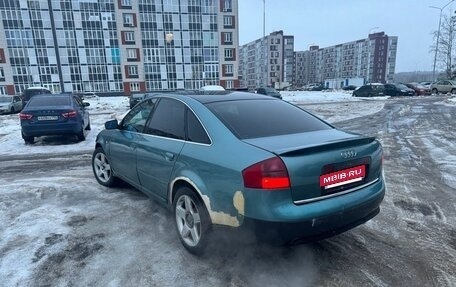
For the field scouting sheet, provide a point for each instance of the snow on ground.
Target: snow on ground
(299, 97)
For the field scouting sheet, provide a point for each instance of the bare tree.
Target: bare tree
(446, 47)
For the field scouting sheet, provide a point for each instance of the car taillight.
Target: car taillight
(24, 116)
(268, 174)
(70, 114)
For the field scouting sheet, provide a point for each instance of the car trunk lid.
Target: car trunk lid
(324, 163)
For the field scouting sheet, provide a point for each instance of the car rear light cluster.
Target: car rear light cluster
(70, 114)
(268, 174)
(24, 116)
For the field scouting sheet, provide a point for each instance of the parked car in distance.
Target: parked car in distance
(349, 88)
(419, 89)
(444, 86)
(245, 161)
(10, 104)
(268, 91)
(135, 98)
(32, 91)
(370, 90)
(396, 89)
(59, 114)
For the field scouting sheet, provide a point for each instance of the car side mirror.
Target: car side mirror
(85, 104)
(111, 125)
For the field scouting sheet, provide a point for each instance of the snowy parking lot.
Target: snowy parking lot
(58, 227)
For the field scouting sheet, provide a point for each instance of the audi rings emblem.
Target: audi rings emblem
(348, 154)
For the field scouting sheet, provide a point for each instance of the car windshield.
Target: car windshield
(264, 118)
(5, 99)
(49, 101)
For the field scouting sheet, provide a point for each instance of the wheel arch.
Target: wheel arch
(217, 217)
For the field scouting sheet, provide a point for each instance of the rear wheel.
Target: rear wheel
(102, 168)
(192, 220)
(28, 139)
(88, 126)
(453, 91)
(435, 91)
(81, 135)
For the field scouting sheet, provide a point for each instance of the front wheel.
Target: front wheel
(102, 168)
(192, 220)
(12, 110)
(28, 139)
(435, 91)
(453, 91)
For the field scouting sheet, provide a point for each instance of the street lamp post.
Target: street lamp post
(438, 34)
(168, 39)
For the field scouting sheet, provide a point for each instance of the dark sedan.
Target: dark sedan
(243, 160)
(395, 90)
(62, 114)
(268, 91)
(371, 90)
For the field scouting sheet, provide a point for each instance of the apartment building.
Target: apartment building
(267, 61)
(120, 46)
(372, 59)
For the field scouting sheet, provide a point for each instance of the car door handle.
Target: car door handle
(169, 156)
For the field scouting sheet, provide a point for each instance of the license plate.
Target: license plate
(48, 118)
(342, 177)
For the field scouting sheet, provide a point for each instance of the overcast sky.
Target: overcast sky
(330, 22)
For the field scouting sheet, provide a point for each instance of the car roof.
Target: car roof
(37, 88)
(54, 95)
(211, 97)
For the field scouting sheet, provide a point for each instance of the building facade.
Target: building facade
(120, 46)
(373, 59)
(267, 61)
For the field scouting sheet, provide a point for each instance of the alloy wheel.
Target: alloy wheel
(102, 167)
(188, 220)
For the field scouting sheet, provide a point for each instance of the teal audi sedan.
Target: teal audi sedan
(245, 161)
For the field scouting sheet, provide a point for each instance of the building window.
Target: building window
(2, 56)
(228, 70)
(131, 71)
(229, 54)
(228, 21)
(128, 37)
(229, 84)
(2, 75)
(134, 87)
(227, 6)
(132, 54)
(128, 20)
(228, 38)
(125, 3)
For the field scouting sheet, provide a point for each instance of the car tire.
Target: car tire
(102, 168)
(453, 91)
(28, 139)
(81, 135)
(370, 95)
(192, 220)
(88, 126)
(12, 110)
(435, 91)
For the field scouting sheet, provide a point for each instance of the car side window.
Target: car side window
(136, 119)
(168, 120)
(195, 131)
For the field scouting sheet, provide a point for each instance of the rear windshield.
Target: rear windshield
(49, 101)
(264, 118)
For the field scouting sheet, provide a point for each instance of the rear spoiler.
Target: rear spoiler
(344, 143)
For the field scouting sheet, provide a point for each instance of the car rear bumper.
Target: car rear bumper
(52, 129)
(317, 220)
